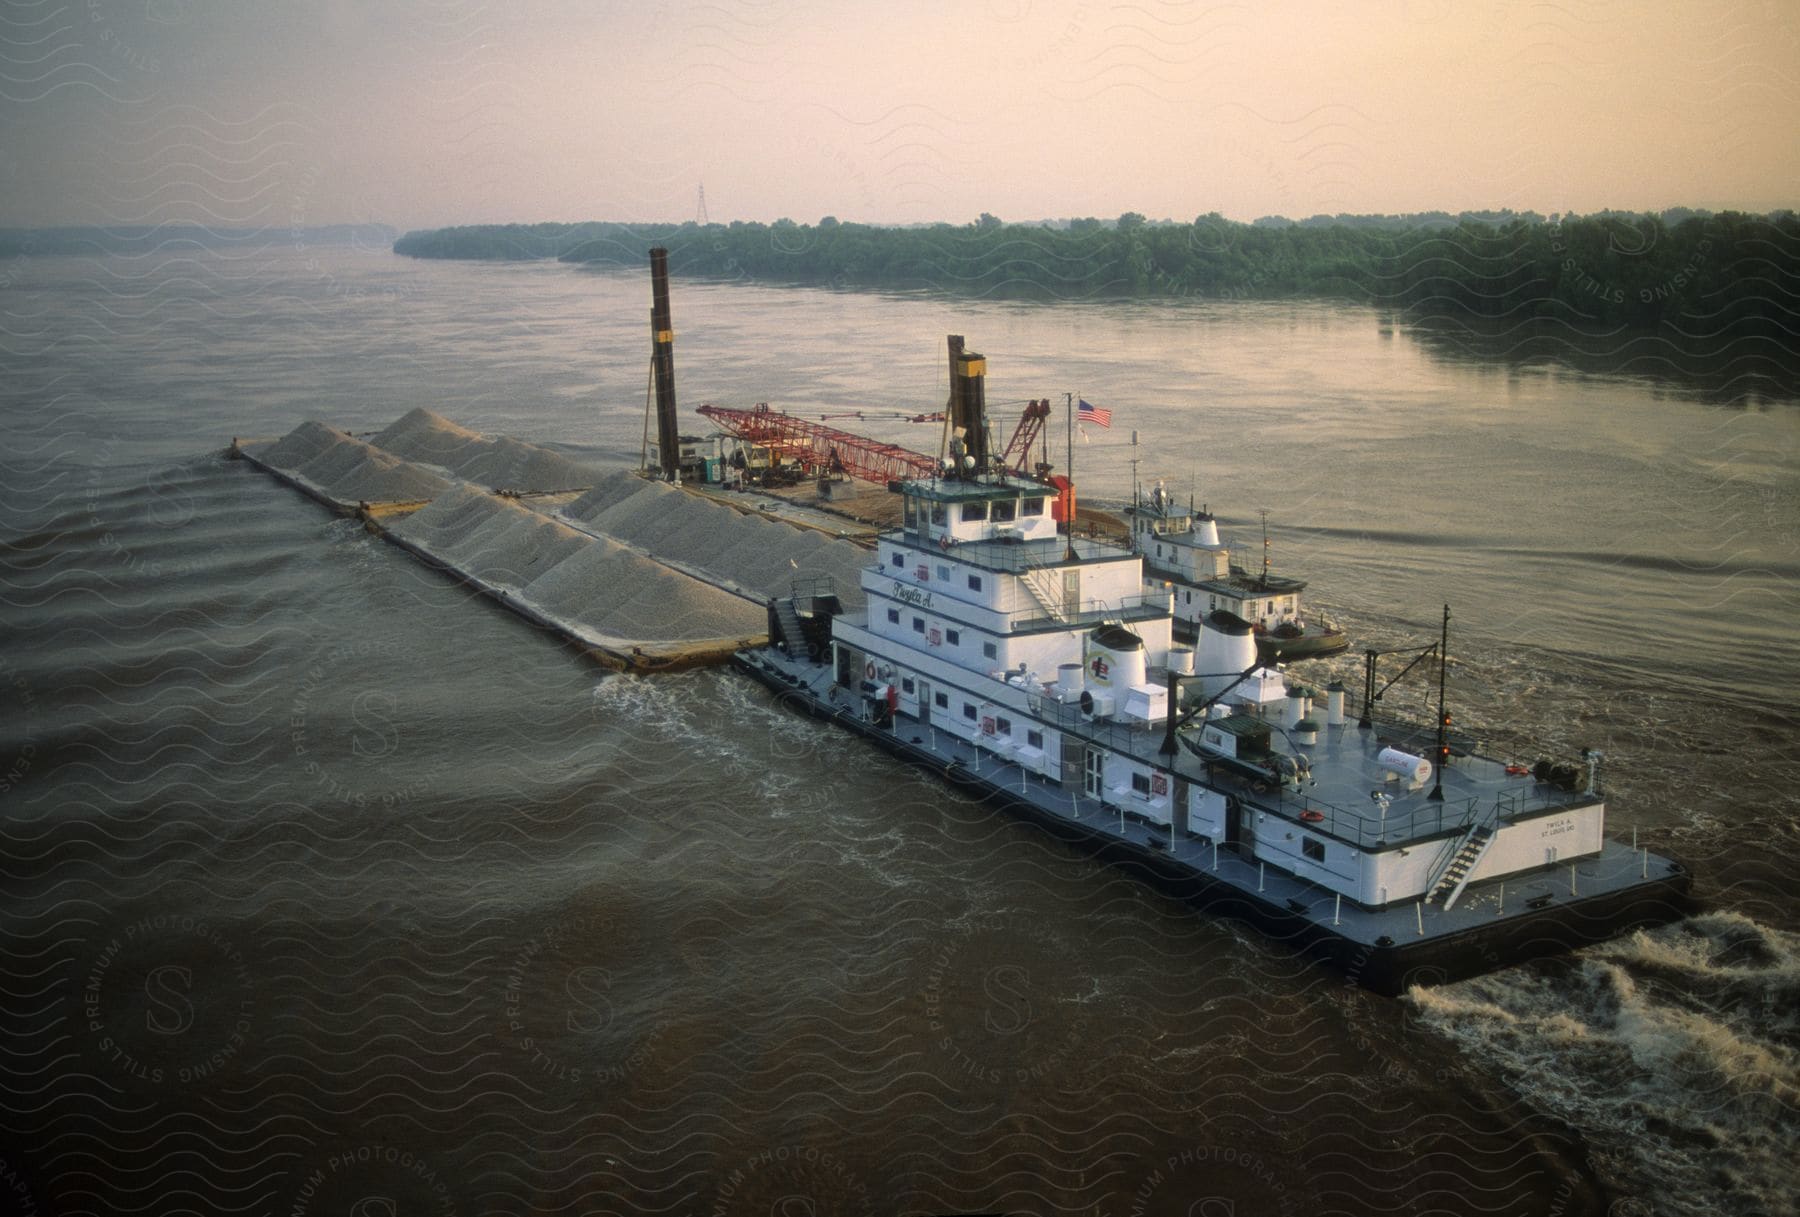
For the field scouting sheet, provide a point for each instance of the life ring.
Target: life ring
(869, 670)
(1516, 770)
(1311, 816)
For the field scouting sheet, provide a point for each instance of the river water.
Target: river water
(327, 884)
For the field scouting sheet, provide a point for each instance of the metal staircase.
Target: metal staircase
(1045, 585)
(793, 638)
(1451, 881)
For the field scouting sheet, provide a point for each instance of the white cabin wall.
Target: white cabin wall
(1279, 844)
(1573, 834)
(1156, 806)
(1206, 812)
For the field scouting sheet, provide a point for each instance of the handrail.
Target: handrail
(1446, 856)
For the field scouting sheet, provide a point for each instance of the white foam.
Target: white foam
(1676, 1048)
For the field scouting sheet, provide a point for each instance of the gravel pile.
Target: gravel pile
(298, 446)
(420, 435)
(759, 554)
(349, 470)
(516, 465)
(575, 578)
(507, 463)
(614, 591)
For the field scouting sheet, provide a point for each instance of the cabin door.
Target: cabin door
(1071, 593)
(1093, 773)
(1240, 827)
(924, 704)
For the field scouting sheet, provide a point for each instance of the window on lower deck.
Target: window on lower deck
(1313, 849)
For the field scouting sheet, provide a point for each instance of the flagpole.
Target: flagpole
(1069, 416)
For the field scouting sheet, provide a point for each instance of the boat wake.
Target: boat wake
(1676, 1051)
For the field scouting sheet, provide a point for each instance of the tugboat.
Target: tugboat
(1181, 549)
(1040, 670)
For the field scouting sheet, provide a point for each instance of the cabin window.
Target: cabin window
(1034, 739)
(1031, 507)
(1190, 597)
(1005, 512)
(974, 583)
(1140, 784)
(937, 513)
(894, 616)
(1313, 849)
(968, 711)
(974, 511)
(990, 651)
(899, 559)
(943, 573)
(909, 511)
(1003, 726)
(953, 637)
(906, 685)
(941, 700)
(918, 625)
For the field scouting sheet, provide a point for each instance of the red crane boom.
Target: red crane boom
(821, 449)
(1031, 425)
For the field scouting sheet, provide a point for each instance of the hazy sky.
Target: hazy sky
(428, 112)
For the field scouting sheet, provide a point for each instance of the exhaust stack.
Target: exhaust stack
(662, 362)
(967, 416)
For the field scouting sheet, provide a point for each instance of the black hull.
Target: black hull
(1388, 969)
(1270, 649)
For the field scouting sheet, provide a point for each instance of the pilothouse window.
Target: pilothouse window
(1031, 507)
(1005, 511)
(974, 511)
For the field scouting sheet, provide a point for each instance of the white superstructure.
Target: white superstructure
(1051, 653)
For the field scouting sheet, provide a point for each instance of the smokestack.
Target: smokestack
(968, 401)
(662, 335)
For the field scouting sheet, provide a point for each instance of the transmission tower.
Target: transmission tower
(700, 209)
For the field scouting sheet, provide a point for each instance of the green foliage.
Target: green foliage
(1717, 273)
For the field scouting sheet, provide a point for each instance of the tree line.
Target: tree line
(1729, 271)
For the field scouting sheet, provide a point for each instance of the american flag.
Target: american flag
(1088, 412)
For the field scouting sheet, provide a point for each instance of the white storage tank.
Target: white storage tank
(1295, 709)
(1115, 659)
(1334, 703)
(1227, 647)
(1414, 770)
(1181, 661)
(1069, 683)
